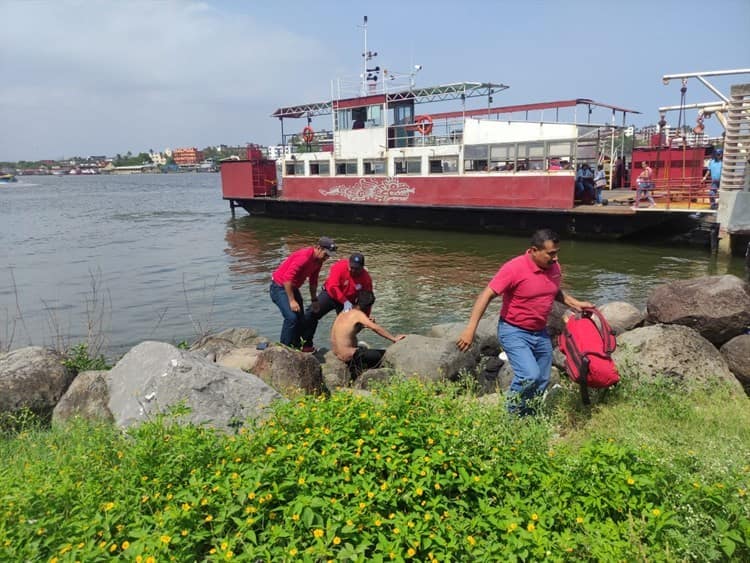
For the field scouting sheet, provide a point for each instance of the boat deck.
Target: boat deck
(621, 200)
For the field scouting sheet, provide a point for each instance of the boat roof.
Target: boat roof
(440, 93)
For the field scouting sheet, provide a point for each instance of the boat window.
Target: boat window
(375, 167)
(344, 119)
(346, 167)
(409, 166)
(503, 157)
(444, 165)
(295, 168)
(536, 156)
(320, 168)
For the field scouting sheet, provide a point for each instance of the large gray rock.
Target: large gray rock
(216, 346)
(34, 378)
(335, 372)
(289, 371)
(486, 336)
(371, 377)
(430, 359)
(621, 316)
(87, 397)
(153, 377)
(716, 306)
(673, 351)
(737, 354)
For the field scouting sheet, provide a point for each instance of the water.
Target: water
(167, 263)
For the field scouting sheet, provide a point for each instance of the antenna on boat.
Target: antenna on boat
(369, 75)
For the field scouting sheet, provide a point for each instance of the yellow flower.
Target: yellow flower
(656, 512)
(531, 527)
(579, 520)
(535, 517)
(378, 522)
(370, 494)
(336, 540)
(631, 481)
(184, 533)
(437, 486)
(209, 518)
(113, 548)
(224, 546)
(396, 531)
(293, 551)
(53, 560)
(109, 506)
(125, 545)
(318, 533)
(295, 517)
(471, 540)
(65, 549)
(411, 552)
(301, 481)
(229, 554)
(512, 527)
(185, 506)
(427, 516)
(150, 559)
(165, 539)
(419, 491)
(741, 492)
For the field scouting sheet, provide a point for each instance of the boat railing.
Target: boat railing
(682, 193)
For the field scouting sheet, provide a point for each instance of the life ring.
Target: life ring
(308, 134)
(424, 124)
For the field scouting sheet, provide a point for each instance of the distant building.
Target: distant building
(158, 158)
(187, 156)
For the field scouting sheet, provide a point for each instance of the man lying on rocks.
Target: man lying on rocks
(344, 333)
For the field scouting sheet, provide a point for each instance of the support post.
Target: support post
(231, 207)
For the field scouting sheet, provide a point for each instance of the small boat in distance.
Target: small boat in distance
(379, 156)
(7, 178)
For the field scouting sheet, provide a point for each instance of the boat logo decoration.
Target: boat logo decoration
(372, 189)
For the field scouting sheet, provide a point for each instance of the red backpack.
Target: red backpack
(588, 351)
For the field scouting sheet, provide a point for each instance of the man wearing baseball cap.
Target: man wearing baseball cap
(301, 265)
(345, 280)
(714, 171)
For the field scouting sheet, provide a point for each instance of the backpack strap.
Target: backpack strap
(606, 332)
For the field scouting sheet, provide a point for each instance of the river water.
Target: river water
(158, 257)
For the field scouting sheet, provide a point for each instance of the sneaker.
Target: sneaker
(309, 349)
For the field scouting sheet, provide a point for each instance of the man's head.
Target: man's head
(644, 164)
(545, 246)
(365, 299)
(356, 262)
(325, 248)
(718, 153)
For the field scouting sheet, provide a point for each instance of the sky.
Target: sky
(91, 77)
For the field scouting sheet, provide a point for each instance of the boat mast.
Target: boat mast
(368, 74)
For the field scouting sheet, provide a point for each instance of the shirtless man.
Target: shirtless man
(344, 336)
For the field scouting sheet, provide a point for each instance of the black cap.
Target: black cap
(327, 244)
(357, 260)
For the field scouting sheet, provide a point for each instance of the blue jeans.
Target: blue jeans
(712, 193)
(292, 325)
(530, 356)
(326, 304)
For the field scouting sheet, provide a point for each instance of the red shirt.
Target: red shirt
(342, 286)
(528, 291)
(298, 267)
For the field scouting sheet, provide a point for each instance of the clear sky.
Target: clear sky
(91, 77)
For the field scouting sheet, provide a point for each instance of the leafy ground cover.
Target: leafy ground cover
(412, 472)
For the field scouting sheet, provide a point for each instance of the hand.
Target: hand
(347, 306)
(465, 340)
(580, 305)
(294, 306)
(399, 337)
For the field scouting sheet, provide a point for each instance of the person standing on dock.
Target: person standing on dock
(645, 184)
(714, 170)
(304, 264)
(529, 285)
(345, 280)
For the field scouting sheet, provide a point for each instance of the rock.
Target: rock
(154, 377)
(622, 316)
(555, 320)
(718, 307)
(368, 377)
(429, 359)
(486, 336)
(673, 351)
(289, 371)
(216, 346)
(34, 378)
(243, 358)
(737, 354)
(87, 397)
(335, 372)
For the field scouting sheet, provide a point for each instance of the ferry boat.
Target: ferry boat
(7, 178)
(393, 153)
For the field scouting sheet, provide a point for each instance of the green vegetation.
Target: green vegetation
(411, 473)
(78, 358)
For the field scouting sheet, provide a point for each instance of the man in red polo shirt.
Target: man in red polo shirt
(529, 284)
(304, 264)
(345, 280)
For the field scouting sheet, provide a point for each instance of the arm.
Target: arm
(572, 302)
(375, 327)
(333, 283)
(480, 306)
(289, 289)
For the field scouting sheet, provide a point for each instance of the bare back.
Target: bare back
(344, 333)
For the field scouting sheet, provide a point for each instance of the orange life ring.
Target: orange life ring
(424, 124)
(308, 134)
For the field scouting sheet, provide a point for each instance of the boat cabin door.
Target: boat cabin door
(401, 132)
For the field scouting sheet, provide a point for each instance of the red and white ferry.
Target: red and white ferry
(394, 153)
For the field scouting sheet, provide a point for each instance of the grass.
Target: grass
(413, 472)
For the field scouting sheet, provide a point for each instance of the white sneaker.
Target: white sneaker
(502, 356)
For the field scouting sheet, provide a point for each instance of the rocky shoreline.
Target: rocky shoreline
(693, 331)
